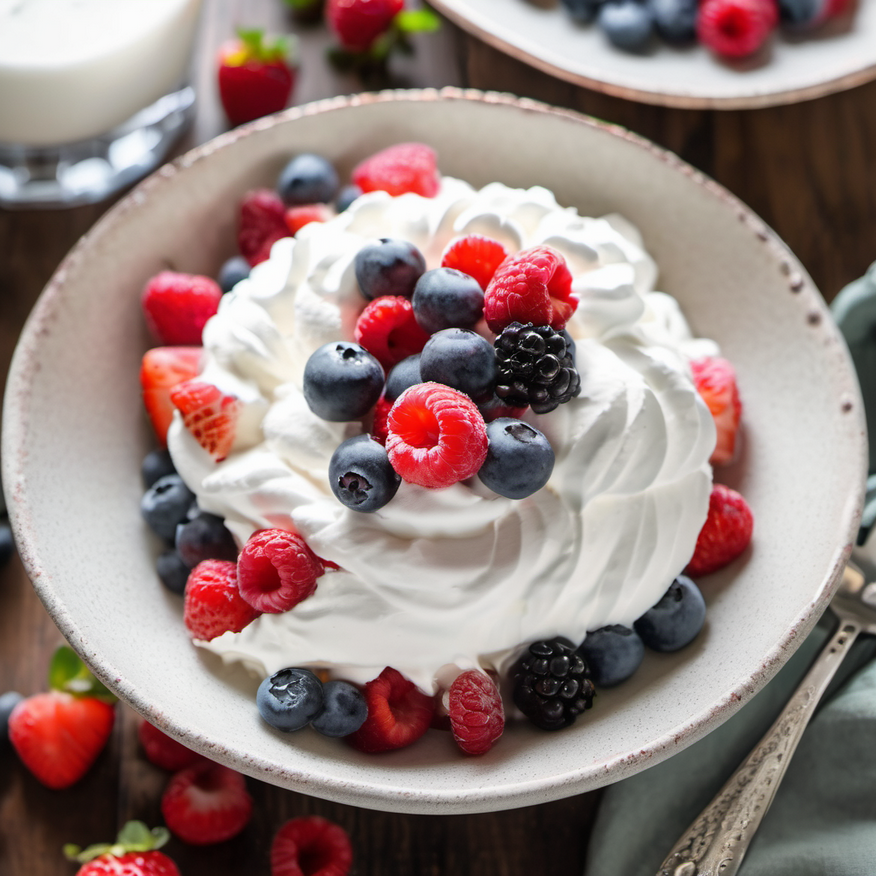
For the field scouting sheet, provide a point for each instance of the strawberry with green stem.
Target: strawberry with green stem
(134, 853)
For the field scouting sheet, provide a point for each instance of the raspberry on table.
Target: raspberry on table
(436, 436)
(475, 255)
(164, 751)
(388, 329)
(213, 604)
(736, 28)
(725, 534)
(533, 286)
(261, 223)
(399, 169)
(311, 845)
(477, 715)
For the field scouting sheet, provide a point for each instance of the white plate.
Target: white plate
(840, 55)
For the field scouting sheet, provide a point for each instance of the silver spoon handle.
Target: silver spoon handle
(716, 842)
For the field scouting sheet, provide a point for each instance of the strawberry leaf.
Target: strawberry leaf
(257, 48)
(133, 837)
(416, 21)
(68, 673)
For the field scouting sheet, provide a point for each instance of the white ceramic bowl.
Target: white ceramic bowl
(74, 435)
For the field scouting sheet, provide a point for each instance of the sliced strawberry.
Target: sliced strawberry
(725, 534)
(399, 713)
(206, 803)
(162, 369)
(715, 380)
(298, 217)
(177, 306)
(261, 223)
(405, 167)
(311, 846)
(212, 604)
(134, 853)
(209, 414)
(475, 255)
(162, 750)
(477, 716)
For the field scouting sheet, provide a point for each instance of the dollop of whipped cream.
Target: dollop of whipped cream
(443, 580)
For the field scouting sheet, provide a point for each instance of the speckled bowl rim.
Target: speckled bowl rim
(26, 361)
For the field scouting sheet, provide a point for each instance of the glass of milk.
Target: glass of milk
(93, 93)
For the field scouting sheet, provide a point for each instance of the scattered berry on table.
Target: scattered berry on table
(388, 329)
(399, 713)
(477, 716)
(360, 474)
(437, 436)
(134, 853)
(535, 286)
(475, 255)
(552, 684)
(535, 368)
(725, 534)
(715, 380)
(8, 701)
(261, 223)
(346, 196)
(208, 414)
(298, 217)
(172, 571)
(233, 270)
(613, 654)
(204, 537)
(462, 359)
(675, 20)
(736, 28)
(162, 369)
(290, 699)
(156, 464)
(213, 604)
(276, 570)
(388, 266)
(177, 306)
(206, 803)
(358, 23)
(342, 381)
(165, 505)
(447, 298)
(164, 751)
(676, 620)
(344, 709)
(399, 169)
(628, 24)
(311, 846)
(403, 375)
(256, 76)
(307, 179)
(583, 11)
(519, 459)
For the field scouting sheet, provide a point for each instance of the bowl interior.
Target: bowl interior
(74, 435)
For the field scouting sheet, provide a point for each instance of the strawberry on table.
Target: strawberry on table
(725, 534)
(134, 853)
(177, 306)
(256, 77)
(209, 414)
(311, 846)
(358, 23)
(162, 369)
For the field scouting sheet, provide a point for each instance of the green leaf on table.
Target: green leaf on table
(68, 673)
(417, 21)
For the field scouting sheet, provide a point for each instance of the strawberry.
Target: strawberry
(311, 846)
(177, 306)
(715, 381)
(206, 803)
(134, 853)
(304, 214)
(399, 713)
(725, 534)
(261, 223)
(358, 23)
(477, 716)
(212, 604)
(162, 369)
(475, 255)
(405, 167)
(209, 414)
(162, 750)
(256, 77)
(59, 734)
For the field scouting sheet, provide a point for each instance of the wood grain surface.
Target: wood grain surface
(807, 169)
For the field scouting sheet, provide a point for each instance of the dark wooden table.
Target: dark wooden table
(806, 169)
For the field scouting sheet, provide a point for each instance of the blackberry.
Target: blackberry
(535, 368)
(552, 684)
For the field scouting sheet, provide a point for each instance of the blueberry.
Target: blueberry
(156, 464)
(583, 11)
(234, 270)
(626, 23)
(462, 359)
(204, 538)
(307, 179)
(342, 381)
(346, 196)
(388, 267)
(165, 504)
(519, 458)
(447, 298)
(344, 712)
(360, 474)
(290, 699)
(800, 12)
(675, 20)
(613, 654)
(402, 376)
(676, 619)
(172, 571)
(7, 544)
(8, 701)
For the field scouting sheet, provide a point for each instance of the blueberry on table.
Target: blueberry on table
(233, 270)
(344, 710)
(342, 381)
(402, 376)
(519, 460)
(447, 298)
(204, 537)
(172, 571)
(165, 504)
(583, 11)
(290, 699)
(360, 474)
(461, 359)
(307, 179)
(8, 701)
(156, 464)
(613, 654)
(675, 20)
(676, 619)
(388, 267)
(627, 24)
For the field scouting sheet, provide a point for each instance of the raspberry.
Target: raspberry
(715, 381)
(177, 306)
(388, 329)
(477, 716)
(533, 286)
(475, 255)
(298, 217)
(212, 603)
(276, 570)
(736, 28)
(261, 224)
(399, 713)
(380, 425)
(163, 751)
(437, 436)
(406, 167)
(311, 846)
(725, 534)
(209, 414)
(358, 23)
